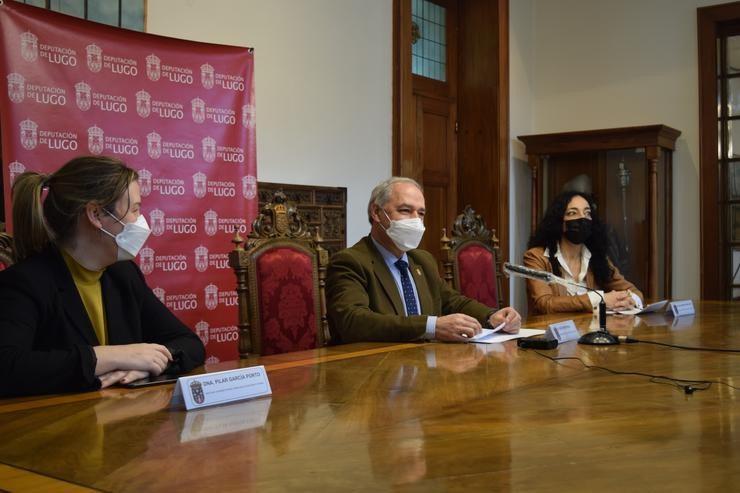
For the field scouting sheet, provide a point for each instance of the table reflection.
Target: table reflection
(396, 405)
(116, 406)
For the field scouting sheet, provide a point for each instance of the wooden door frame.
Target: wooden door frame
(404, 117)
(502, 157)
(708, 21)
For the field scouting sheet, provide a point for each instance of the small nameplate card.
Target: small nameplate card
(221, 387)
(681, 308)
(562, 332)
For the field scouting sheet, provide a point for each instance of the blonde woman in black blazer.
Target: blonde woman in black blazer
(84, 218)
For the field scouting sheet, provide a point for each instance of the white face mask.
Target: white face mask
(131, 238)
(405, 233)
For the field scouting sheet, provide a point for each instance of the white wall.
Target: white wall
(323, 85)
(600, 64)
(521, 122)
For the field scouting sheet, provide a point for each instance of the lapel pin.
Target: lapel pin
(418, 271)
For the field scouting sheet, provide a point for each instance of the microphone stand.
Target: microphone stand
(601, 337)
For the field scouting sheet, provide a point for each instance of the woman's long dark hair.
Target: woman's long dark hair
(550, 230)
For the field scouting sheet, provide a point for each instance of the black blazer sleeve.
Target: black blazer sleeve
(146, 318)
(36, 356)
(46, 338)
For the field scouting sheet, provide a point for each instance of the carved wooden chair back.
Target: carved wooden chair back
(471, 259)
(280, 274)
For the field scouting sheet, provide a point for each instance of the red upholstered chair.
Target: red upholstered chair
(280, 271)
(472, 262)
(7, 251)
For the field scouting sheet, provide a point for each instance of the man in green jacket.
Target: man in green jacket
(385, 289)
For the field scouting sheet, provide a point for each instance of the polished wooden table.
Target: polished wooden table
(412, 417)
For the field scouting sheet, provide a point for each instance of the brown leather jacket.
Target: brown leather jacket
(550, 298)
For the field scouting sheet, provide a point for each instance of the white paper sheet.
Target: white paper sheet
(653, 307)
(494, 337)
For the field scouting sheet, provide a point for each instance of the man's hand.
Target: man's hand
(456, 327)
(509, 316)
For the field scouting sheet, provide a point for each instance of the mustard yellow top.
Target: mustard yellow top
(88, 285)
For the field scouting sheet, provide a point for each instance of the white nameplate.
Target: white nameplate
(221, 387)
(562, 332)
(681, 308)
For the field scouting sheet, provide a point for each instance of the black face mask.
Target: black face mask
(578, 231)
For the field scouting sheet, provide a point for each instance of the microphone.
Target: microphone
(601, 337)
(521, 271)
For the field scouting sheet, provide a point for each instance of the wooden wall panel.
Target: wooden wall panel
(325, 207)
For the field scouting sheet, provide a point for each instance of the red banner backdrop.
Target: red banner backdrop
(180, 112)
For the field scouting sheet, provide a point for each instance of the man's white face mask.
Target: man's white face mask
(405, 233)
(131, 238)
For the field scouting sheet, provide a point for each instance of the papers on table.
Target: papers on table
(652, 307)
(487, 332)
(489, 336)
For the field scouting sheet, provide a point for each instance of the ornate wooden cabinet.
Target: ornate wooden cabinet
(628, 170)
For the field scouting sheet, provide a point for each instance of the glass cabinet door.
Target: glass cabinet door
(619, 182)
(728, 145)
(628, 170)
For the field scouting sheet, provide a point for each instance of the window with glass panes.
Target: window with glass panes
(128, 14)
(429, 44)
